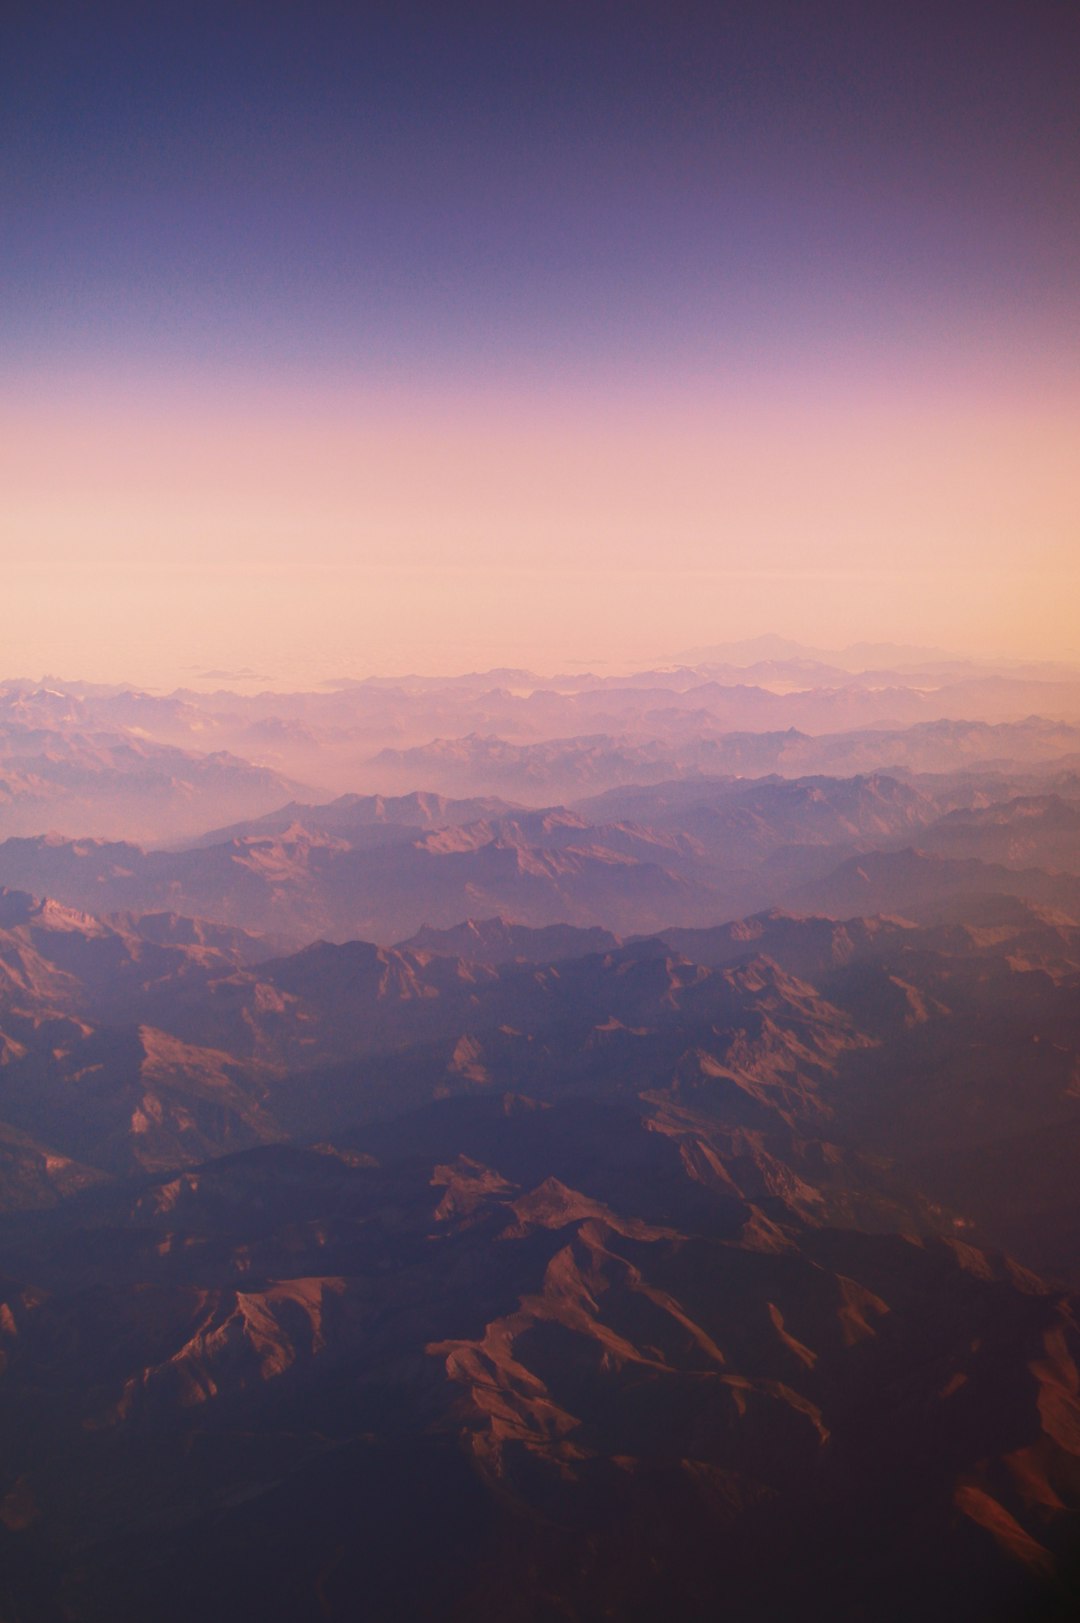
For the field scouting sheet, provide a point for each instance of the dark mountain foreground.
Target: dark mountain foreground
(523, 1275)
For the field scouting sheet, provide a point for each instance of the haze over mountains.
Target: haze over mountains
(685, 853)
(620, 1131)
(511, 733)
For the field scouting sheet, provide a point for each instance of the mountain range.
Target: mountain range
(104, 760)
(516, 1148)
(687, 854)
(653, 1236)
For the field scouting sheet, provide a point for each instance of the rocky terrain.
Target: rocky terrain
(660, 1204)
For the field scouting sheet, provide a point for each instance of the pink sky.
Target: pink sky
(307, 530)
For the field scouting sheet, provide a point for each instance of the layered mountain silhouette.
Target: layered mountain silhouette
(109, 782)
(634, 861)
(117, 762)
(691, 744)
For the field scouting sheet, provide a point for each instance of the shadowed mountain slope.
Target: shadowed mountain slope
(499, 1337)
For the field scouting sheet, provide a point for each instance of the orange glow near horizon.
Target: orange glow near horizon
(309, 532)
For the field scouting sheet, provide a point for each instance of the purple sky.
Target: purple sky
(850, 230)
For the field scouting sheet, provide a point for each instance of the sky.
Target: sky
(343, 338)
